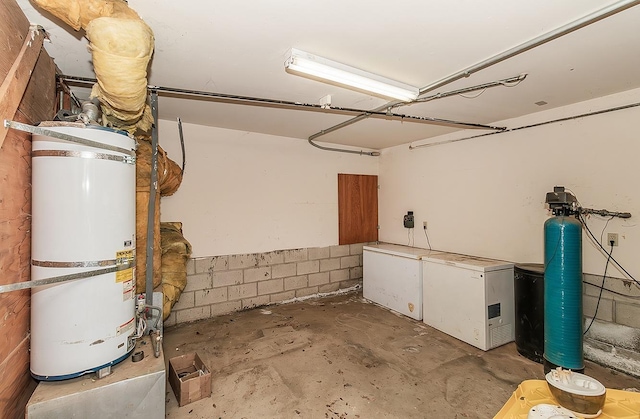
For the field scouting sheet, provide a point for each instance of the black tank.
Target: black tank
(529, 310)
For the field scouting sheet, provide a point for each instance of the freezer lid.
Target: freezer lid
(398, 250)
(468, 262)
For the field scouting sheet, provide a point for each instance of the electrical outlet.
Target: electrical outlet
(612, 237)
(424, 224)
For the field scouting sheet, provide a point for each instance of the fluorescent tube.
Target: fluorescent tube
(318, 68)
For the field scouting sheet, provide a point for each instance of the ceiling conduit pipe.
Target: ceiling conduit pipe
(343, 150)
(285, 104)
(505, 55)
(538, 124)
(509, 82)
(483, 86)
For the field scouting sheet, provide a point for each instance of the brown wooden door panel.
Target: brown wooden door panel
(357, 208)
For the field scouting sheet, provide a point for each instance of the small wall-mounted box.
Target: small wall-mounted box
(189, 378)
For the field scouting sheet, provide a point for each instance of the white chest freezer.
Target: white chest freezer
(469, 298)
(392, 277)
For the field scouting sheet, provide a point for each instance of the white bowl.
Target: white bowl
(577, 392)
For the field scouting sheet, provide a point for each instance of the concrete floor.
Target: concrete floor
(343, 357)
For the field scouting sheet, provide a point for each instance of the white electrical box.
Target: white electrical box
(469, 298)
(392, 277)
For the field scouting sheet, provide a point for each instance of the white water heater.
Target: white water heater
(83, 207)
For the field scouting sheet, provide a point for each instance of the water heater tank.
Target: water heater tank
(83, 206)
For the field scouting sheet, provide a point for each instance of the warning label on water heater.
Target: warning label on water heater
(127, 290)
(124, 257)
(123, 328)
(126, 275)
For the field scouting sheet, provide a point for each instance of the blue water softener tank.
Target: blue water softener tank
(563, 284)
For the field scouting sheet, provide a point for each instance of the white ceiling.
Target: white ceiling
(239, 47)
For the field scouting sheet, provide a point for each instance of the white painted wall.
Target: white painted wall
(486, 196)
(245, 192)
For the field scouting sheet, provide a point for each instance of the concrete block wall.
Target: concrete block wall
(219, 285)
(622, 306)
(614, 338)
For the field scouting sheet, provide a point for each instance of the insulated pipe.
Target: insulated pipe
(512, 52)
(121, 45)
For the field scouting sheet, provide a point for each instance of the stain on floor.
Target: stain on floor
(343, 357)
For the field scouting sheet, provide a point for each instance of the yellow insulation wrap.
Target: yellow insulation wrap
(176, 251)
(78, 13)
(121, 45)
(121, 50)
(169, 178)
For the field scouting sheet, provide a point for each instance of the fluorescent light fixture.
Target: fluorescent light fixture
(318, 68)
